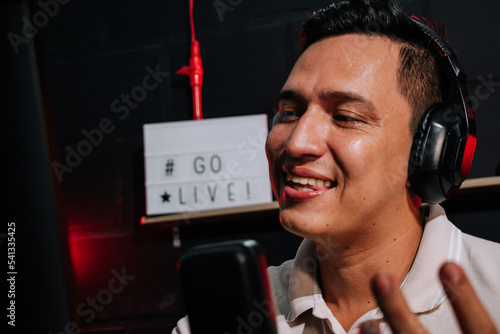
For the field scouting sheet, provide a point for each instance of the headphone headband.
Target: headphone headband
(445, 141)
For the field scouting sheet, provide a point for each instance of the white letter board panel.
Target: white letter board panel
(206, 164)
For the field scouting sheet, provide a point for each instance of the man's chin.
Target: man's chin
(298, 223)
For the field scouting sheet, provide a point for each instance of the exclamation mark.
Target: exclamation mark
(248, 190)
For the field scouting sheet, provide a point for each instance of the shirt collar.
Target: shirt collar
(303, 288)
(441, 242)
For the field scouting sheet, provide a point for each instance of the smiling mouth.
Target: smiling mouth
(308, 183)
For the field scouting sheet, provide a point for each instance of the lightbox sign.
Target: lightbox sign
(206, 164)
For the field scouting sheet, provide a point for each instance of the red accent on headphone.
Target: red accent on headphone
(470, 147)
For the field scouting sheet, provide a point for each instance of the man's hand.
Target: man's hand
(469, 311)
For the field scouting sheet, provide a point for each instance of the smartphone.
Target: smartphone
(226, 290)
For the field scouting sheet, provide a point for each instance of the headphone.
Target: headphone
(445, 139)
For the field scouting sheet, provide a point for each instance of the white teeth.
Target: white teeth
(303, 180)
(308, 181)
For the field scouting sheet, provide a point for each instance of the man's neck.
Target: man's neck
(346, 273)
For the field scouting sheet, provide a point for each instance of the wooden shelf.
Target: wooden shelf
(479, 186)
(188, 218)
(472, 187)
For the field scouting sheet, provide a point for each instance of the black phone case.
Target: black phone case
(225, 289)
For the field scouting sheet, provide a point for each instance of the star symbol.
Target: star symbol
(165, 197)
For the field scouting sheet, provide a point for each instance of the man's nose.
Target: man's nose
(308, 137)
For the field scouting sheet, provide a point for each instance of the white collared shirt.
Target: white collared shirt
(300, 307)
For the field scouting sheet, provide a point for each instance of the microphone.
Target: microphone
(226, 290)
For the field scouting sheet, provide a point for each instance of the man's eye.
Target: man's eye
(287, 115)
(343, 119)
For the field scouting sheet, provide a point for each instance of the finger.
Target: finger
(470, 313)
(396, 311)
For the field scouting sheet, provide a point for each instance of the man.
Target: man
(339, 159)
(339, 154)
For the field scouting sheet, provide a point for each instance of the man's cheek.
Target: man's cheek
(396, 174)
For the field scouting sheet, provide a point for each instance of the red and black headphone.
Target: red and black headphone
(445, 140)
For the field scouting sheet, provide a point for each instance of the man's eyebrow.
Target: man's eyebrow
(347, 96)
(338, 95)
(291, 95)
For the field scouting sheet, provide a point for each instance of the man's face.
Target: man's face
(338, 157)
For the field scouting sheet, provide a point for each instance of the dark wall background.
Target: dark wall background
(77, 229)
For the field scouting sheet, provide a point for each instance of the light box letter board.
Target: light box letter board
(206, 164)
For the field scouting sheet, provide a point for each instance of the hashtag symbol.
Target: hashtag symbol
(169, 167)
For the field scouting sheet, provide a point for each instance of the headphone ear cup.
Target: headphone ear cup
(437, 155)
(425, 170)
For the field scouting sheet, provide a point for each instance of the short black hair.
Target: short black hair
(419, 77)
